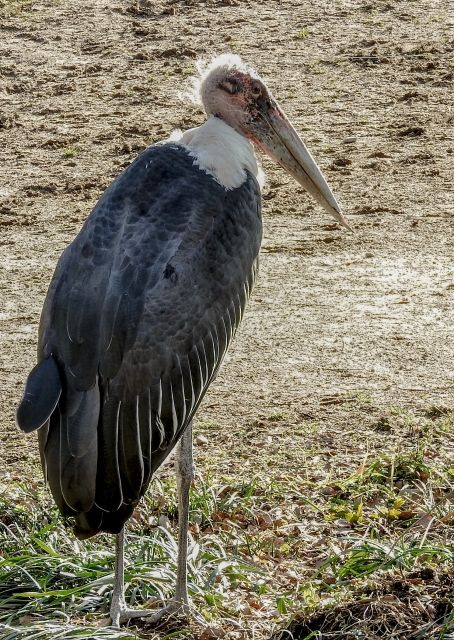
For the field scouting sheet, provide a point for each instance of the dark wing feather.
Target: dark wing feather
(41, 394)
(145, 417)
(130, 456)
(79, 452)
(109, 494)
(138, 317)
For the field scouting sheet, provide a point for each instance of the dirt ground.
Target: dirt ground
(85, 86)
(342, 328)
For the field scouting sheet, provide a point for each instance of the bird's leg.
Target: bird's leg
(118, 604)
(184, 466)
(119, 612)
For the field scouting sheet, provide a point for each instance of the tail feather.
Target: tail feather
(50, 451)
(145, 427)
(88, 524)
(113, 522)
(94, 521)
(68, 447)
(81, 434)
(79, 452)
(43, 434)
(129, 451)
(109, 496)
(41, 394)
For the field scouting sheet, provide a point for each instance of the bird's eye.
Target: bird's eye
(231, 86)
(256, 91)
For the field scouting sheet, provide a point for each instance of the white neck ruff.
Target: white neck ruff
(221, 152)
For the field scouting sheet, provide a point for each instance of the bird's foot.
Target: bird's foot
(120, 613)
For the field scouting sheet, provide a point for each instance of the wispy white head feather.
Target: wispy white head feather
(212, 71)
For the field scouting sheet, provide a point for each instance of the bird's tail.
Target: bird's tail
(67, 432)
(69, 451)
(84, 458)
(94, 455)
(41, 395)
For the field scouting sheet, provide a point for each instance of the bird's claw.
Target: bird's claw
(121, 614)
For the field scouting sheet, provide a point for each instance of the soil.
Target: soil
(400, 608)
(335, 316)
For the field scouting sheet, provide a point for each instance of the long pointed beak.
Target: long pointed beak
(275, 135)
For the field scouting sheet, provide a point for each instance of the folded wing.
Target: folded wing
(138, 317)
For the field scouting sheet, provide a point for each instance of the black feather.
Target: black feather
(41, 394)
(79, 452)
(145, 433)
(109, 496)
(130, 461)
(50, 451)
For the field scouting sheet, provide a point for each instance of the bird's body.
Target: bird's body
(139, 314)
(144, 303)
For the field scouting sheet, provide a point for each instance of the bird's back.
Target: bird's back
(138, 316)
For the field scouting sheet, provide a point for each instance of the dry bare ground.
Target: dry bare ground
(345, 355)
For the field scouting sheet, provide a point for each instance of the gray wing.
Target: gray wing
(140, 312)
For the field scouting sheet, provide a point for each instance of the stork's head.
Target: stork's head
(231, 90)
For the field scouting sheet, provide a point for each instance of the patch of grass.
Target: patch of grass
(399, 490)
(278, 416)
(283, 542)
(14, 7)
(63, 630)
(70, 152)
(390, 608)
(301, 34)
(46, 575)
(365, 557)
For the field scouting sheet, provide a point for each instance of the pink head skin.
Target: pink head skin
(232, 91)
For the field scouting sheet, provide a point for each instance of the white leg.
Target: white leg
(184, 466)
(119, 612)
(118, 597)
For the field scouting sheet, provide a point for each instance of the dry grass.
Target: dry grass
(361, 554)
(406, 607)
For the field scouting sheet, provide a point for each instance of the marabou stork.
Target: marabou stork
(144, 303)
